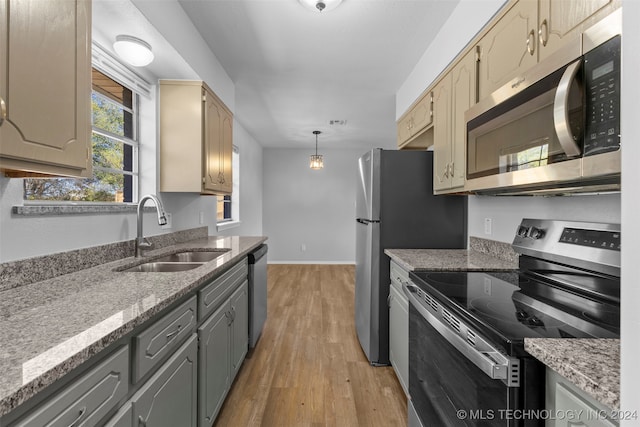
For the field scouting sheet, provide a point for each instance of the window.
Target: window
(228, 210)
(114, 123)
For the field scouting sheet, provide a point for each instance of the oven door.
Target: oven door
(450, 388)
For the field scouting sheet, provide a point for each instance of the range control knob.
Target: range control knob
(522, 231)
(536, 233)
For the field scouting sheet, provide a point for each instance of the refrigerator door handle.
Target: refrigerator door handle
(367, 221)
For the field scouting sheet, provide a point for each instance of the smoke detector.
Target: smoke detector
(320, 5)
(337, 122)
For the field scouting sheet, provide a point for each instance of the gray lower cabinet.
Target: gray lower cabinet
(169, 398)
(399, 326)
(88, 399)
(162, 338)
(224, 340)
(240, 327)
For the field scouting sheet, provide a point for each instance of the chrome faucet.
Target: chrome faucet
(141, 242)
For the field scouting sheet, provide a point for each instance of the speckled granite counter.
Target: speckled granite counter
(52, 326)
(483, 255)
(593, 365)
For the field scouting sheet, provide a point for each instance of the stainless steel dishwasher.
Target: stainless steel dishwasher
(257, 293)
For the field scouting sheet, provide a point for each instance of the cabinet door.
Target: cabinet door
(240, 327)
(463, 94)
(568, 402)
(510, 47)
(422, 115)
(169, 398)
(399, 336)
(214, 362)
(218, 140)
(404, 129)
(442, 134)
(45, 85)
(561, 22)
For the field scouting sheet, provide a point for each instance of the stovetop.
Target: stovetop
(507, 307)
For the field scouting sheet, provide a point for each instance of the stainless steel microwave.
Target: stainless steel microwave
(555, 129)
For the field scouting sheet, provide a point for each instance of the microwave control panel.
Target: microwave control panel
(602, 81)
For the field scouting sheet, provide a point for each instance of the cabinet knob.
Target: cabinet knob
(3, 111)
(531, 40)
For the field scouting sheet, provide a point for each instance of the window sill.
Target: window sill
(75, 209)
(221, 226)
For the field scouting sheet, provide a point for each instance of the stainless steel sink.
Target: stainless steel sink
(163, 267)
(192, 256)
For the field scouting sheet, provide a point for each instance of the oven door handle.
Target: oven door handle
(561, 111)
(494, 364)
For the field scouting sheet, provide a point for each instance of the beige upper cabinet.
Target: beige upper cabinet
(45, 87)
(452, 97)
(561, 22)
(218, 144)
(509, 47)
(414, 122)
(530, 31)
(195, 139)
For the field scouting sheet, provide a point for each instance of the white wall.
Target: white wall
(507, 212)
(312, 208)
(630, 128)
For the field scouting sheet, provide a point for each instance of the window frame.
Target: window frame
(233, 204)
(104, 62)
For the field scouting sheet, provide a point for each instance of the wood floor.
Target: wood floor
(308, 368)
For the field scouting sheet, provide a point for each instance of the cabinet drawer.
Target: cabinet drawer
(162, 338)
(214, 294)
(85, 401)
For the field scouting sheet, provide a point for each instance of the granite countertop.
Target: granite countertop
(593, 365)
(482, 255)
(52, 326)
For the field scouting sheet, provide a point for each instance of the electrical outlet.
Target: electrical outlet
(303, 247)
(487, 286)
(201, 217)
(487, 226)
(169, 224)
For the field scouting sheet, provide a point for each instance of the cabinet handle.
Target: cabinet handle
(543, 39)
(174, 333)
(80, 415)
(141, 421)
(451, 170)
(446, 172)
(389, 299)
(531, 39)
(3, 111)
(220, 177)
(228, 315)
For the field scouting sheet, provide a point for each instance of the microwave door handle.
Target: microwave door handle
(561, 111)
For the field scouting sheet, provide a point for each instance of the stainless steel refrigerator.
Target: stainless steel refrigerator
(396, 208)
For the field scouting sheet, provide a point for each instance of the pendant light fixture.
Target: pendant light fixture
(316, 162)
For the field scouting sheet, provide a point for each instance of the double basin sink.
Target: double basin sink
(181, 261)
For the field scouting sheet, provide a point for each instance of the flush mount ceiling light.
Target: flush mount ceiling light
(320, 5)
(132, 50)
(316, 159)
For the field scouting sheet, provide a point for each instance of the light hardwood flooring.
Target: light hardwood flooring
(308, 368)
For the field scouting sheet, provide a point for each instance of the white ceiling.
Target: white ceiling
(295, 70)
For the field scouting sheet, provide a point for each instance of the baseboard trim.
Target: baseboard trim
(313, 262)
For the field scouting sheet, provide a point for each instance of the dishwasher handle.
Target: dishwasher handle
(258, 253)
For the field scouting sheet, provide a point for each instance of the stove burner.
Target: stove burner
(604, 317)
(512, 313)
